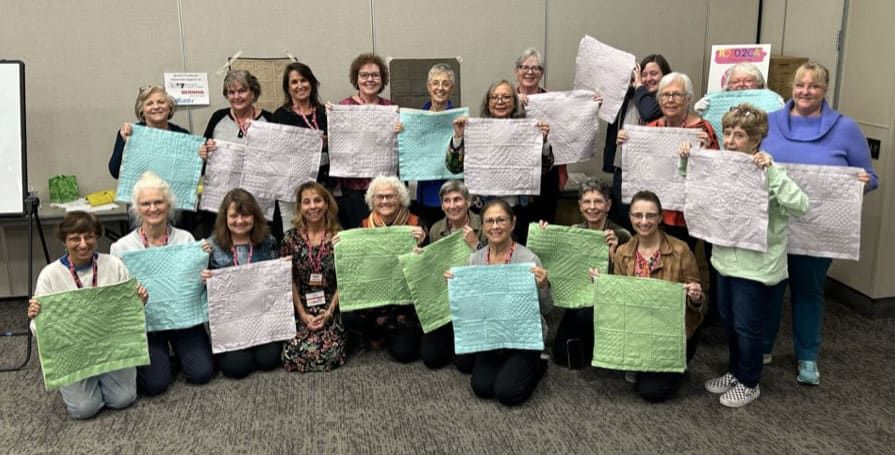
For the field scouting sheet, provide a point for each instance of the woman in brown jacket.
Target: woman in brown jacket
(654, 254)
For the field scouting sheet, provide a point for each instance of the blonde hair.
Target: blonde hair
(145, 92)
(820, 74)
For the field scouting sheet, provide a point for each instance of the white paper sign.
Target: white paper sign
(724, 56)
(189, 89)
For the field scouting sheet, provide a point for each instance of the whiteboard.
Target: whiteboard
(12, 138)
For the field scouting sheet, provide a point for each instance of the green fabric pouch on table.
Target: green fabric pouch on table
(63, 188)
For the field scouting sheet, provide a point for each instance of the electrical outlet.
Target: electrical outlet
(874, 147)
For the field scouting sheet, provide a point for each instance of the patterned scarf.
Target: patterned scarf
(374, 220)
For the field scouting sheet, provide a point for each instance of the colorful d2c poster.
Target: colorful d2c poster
(724, 56)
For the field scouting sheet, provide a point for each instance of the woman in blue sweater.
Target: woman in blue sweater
(807, 130)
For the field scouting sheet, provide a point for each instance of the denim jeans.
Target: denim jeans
(807, 275)
(743, 305)
(115, 389)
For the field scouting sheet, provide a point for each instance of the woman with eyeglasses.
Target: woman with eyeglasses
(439, 84)
(748, 280)
(394, 326)
(529, 72)
(82, 266)
(742, 76)
(807, 130)
(501, 101)
(652, 253)
(675, 95)
(154, 108)
(369, 76)
(153, 208)
(508, 375)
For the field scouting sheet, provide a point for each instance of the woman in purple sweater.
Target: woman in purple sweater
(807, 130)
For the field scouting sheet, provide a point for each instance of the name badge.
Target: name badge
(315, 298)
(316, 279)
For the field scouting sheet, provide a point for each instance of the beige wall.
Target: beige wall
(85, 60)
(805, 28)
(867, 94)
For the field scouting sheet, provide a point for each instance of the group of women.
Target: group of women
(749, 289)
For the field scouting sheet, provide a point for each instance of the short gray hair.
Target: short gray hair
(673, 77)
(392, 181)
(595, 184)
(747, 69)
(151, 181)
(530, 52)
(452, 186)
(441, 68)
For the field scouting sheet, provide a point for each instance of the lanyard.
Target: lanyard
(316, 262)
(509, 254)
(74, 273)
(243, 126)
(236, 257)
(146, 239)
(313, 123)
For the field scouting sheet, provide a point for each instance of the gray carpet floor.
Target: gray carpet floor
(373, 405)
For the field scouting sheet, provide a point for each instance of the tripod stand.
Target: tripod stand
(31, 204)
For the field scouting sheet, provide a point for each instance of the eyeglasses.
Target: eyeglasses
(501, 98)
(496, 221)
(650, 216)
(672, 95)
(528, 68)
(385, 197)
(374, 76)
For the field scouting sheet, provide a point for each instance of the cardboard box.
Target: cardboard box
(781, 72)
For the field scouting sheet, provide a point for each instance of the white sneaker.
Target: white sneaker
(739, 395)
(721, 384)
(767, 358)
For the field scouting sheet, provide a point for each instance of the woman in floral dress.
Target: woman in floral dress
(319, 344)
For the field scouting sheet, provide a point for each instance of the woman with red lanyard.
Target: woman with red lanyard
(241, 237)
(242, 89)
(508, 375)
(319, 343)
(302, 108)
(153, 208)
(82, 266)
(369, 76)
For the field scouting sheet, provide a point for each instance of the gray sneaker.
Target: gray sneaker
(767, 358)
(739, 396)
(721, 384)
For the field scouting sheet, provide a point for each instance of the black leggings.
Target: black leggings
(437, 350)
(509, 375)
(241, 363)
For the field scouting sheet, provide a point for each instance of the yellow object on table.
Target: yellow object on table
(101, 197)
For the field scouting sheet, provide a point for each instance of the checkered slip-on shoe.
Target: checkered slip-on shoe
(721, 384)
(739, 395)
